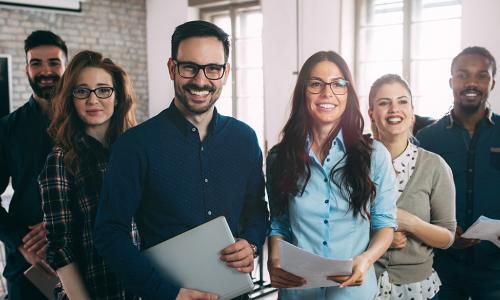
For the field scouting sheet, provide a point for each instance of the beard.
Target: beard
(44, 92)
(471, 108)
(182, 91)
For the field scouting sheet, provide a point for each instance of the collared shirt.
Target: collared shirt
(161, 173)
(404, 165)
(24, 145)
(475, 162)
(320, 221)
(70, 205)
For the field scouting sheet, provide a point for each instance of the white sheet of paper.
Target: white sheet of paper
(313, 268)
(484, 229)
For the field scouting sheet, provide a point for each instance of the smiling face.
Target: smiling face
(392, 112)
(471, 82)
(326, 108)
(95, 112)
(44, 69)
(197, 95)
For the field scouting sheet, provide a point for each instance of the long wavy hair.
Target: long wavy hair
(66, 127)
(290, 170)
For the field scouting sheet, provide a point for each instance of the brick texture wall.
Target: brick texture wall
(116, 28)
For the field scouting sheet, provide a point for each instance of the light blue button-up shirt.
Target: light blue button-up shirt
(320, 222)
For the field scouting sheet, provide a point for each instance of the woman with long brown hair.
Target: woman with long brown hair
(329, 185)
(93, 105)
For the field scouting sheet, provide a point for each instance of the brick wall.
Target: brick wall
(116, 28)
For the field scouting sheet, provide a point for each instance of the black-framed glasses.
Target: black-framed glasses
(338, 87)
(102, 92)
(190, 70)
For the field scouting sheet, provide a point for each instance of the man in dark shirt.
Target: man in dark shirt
(468, 138)
(421, 122)
(182, 168)
(24, 145)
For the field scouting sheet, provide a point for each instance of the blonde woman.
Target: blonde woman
(426, 197)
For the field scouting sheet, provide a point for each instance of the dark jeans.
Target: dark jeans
(461, 281)
(22, 289)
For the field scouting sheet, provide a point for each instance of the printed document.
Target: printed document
(484, 229)
(313, 268)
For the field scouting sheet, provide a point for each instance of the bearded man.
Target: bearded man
(24, 145)
(468, 138)
(182, 168)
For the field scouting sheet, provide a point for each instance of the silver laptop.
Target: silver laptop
(191, 260)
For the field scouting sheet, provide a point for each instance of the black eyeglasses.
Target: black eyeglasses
(103, 92)
(190, 70)
(338, 87)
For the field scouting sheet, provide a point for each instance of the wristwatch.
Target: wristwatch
(254, 249)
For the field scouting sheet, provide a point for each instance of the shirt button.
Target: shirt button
(202, 148)
(206, 179)
(209, 212)
(325, 221)
(469, 211)
(325, 243)
(326, 201)
(326, 179)
(470, 170)
(469, 191)
(193, 129)
(327, 159)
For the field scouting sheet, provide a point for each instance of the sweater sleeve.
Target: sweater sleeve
(442, 197)
(11, 233)
(255, 217)
(121, 195)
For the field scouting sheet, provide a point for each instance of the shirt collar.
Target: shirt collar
(402, 161)
(488, 116)
(337, 143)
(184, 126)
(34, 106)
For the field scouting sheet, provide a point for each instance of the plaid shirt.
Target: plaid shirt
(69, 204)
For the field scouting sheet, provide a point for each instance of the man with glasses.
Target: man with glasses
(468, 138)
(182, 168)
(24, 145)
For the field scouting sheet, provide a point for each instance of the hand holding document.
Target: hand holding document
(484, 229)
(313, 268)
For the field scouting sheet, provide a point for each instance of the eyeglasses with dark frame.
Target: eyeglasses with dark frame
(189, 70)
(102, 92)
(338, 87)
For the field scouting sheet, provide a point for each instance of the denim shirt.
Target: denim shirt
(320, 221)
(475, 162)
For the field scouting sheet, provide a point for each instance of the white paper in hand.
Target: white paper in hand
(484, 229)
(313, 268)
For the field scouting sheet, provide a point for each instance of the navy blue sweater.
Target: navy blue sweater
(161, 174)
(24, 145)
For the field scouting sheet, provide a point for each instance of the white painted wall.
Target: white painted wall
(279, 42)
(162, 18)
(320, 24)
(480, 25)
(318, 29)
